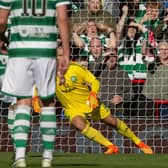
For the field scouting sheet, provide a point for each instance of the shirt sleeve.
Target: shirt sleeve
(91, 80)
(62, 2)
(5, 4)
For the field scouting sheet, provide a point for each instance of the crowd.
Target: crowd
(134, 34)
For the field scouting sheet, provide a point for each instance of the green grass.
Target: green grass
(76, 160)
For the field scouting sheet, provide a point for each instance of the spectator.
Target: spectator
(161, 31)
(88, 30)
(93, 11)
(150, 19)
(116, 90)
(136, 8)
(111, 6)
(121, 23)
(155, 88)
(165, 5)
(96, 50)
(130, 55)
(163, 8)
(75, 6)
(83, 59)
(79, 3)
(133, 59)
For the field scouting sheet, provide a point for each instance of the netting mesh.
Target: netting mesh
(149, 123)
(152, 131)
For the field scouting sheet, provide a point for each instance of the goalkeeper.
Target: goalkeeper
(79, 97)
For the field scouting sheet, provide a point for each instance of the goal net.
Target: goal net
(153, 131)
(151, 127)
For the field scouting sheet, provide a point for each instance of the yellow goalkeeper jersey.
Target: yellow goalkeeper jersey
(73, 95)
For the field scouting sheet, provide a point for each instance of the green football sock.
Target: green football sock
(48, 130)
(21, 129)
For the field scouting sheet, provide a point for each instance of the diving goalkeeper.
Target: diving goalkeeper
(79, 97)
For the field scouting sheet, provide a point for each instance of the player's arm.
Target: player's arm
(3, 24)
(94, 86)
(63, 26)
(4, 13)
(91, 81)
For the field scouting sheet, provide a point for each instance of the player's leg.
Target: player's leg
(84, 127)
(11, 117)
(48, 132)
(45, 73)
(21, 130)
(18, 82)
(124, 130)
(10, 121)
(11, 114)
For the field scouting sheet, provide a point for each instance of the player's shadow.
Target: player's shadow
(66, 165)
(55, 155)
(77, 165)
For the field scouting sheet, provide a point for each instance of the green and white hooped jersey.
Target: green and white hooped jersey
(3, 63)
(33, 27)
(85, 51)
(131, 60)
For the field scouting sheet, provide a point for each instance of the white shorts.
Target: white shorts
(5, 98)
(22, 73)
(1, 80)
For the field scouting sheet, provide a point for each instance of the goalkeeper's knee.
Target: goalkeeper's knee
(85, 129)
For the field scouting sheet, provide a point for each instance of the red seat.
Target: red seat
(157, 105)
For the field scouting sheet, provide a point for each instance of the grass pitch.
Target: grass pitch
(76, 160)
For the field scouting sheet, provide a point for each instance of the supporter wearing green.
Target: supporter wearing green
(130, 54)
(137, 9)
(151, 15)
(95, 12)
(86, 31)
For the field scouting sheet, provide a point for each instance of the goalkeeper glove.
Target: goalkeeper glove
(93, 102)
(35, 101)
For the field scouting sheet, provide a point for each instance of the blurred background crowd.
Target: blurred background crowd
(125, 45)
